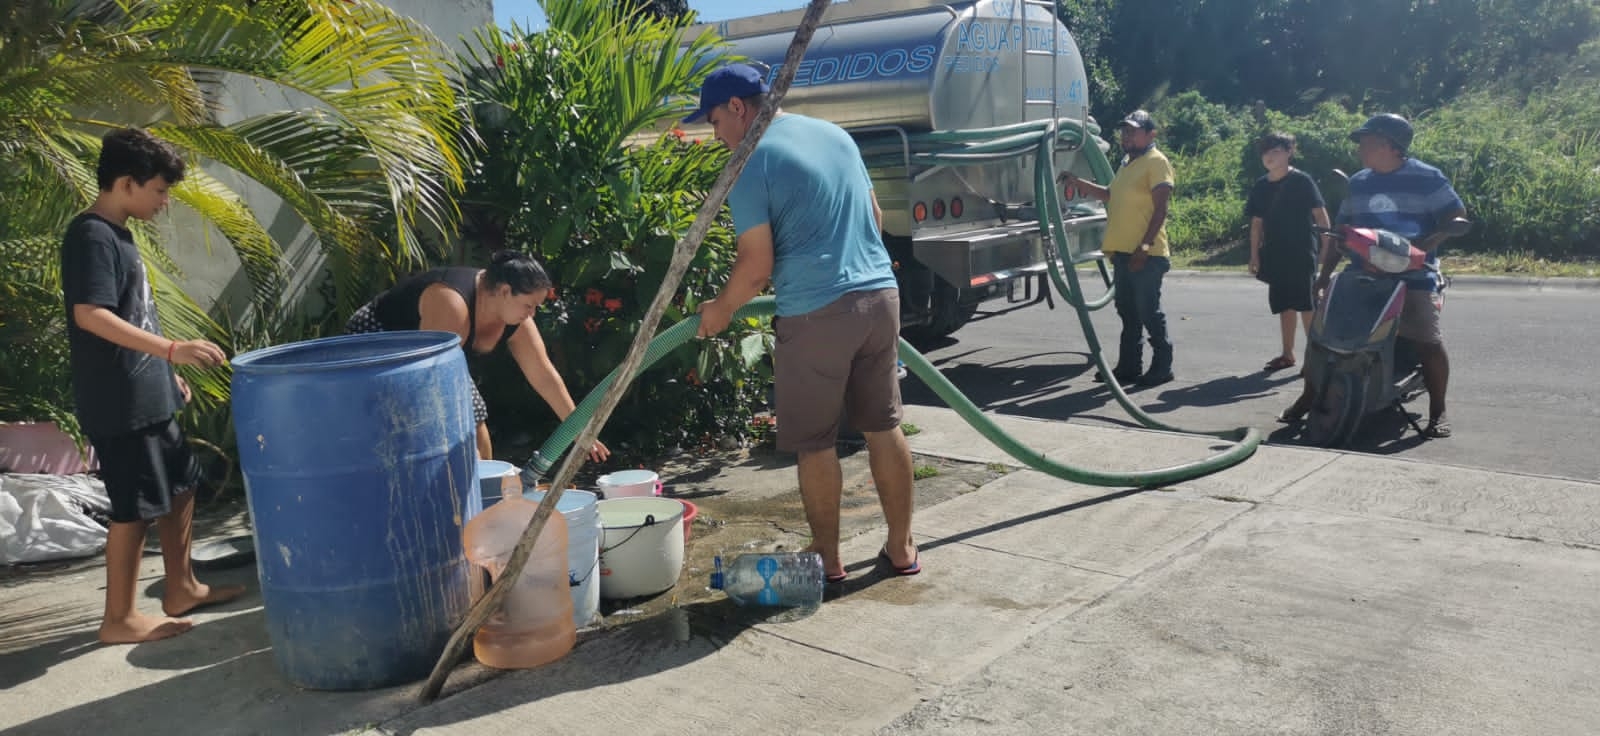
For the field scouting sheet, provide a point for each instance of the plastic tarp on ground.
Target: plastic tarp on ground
(47, 517)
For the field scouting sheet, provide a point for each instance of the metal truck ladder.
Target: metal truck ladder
(1053, 104)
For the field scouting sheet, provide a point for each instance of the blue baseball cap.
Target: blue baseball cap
(733, 80)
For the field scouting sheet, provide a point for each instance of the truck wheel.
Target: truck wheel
(948, 314)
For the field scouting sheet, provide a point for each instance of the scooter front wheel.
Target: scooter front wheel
(1336, 410)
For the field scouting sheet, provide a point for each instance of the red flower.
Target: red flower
(694, 379)
(678, 133)
(593, 297)
(697, 141)
(500, 61)
(592, 325)
(516, 48)
(613, 304)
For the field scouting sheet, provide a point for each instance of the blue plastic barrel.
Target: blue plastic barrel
(359, 458)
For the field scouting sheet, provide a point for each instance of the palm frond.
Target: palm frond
(258, 253)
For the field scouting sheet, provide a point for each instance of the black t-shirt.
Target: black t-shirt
(398, 308)
(1284, 207)
(117, 390)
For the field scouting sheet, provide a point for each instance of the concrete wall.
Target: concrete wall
(212, 272)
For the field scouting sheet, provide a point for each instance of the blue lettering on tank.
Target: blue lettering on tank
(862, 66)
(827, 68)
(802, 73)
(894, 63)
(982, 35)
(891, 62)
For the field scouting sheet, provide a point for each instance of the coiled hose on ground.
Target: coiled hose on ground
(994, 144)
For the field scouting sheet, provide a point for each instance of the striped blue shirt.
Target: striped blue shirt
(1410, 201)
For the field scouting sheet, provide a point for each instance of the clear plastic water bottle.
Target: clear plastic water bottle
(783, 579)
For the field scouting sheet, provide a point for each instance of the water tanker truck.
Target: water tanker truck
(917, 84)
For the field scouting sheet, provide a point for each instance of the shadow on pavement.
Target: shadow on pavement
(1019, 386)
(35, 639)
(1223, 391)
(1383, 433)
(234, 686)
(672, 639)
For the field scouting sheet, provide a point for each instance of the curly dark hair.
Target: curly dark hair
(1273, 141)
(135, 152)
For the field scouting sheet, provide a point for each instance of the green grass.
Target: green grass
(1235, 256)
(924, 472)
(909, 429)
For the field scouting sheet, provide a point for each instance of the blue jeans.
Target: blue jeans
(1138, 303)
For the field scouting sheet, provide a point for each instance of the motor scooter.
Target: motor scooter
(1355, 365)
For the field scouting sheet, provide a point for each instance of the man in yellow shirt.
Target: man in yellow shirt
(1136, 239)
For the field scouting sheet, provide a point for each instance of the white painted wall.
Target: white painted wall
(211, 270)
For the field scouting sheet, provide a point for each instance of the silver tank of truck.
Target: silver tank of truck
(921, 66)
(889, 70)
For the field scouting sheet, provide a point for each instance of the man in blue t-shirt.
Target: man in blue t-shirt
(807, 220)
(1412, 199)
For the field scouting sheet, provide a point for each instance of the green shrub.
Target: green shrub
(563, 175)
(1527, 168)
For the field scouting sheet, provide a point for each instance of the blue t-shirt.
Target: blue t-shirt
(806, 179)
(1410, 201)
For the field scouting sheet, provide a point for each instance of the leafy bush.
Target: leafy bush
(1527, 168)
(351, 160)
(558, 177)
(1190, 123)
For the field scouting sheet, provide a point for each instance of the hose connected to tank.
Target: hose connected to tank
(990, 144)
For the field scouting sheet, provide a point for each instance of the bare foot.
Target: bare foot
(139, 627)
(183, 599)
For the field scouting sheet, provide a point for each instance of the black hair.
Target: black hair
(136, 153)
(517, 270)
(754, 101)
(1272, 141)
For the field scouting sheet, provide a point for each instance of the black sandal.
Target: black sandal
(1438, 428)
(1279, 363)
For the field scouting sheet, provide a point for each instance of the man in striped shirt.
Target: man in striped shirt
(1412, 199)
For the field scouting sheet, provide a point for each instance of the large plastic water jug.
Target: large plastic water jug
(534, 624)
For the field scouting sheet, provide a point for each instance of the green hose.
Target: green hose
(1044, 135)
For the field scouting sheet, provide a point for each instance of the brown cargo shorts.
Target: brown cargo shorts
(1419, 319)
(842, 355)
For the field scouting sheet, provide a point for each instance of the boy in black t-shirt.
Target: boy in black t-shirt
(1283, 251)
(126, 391)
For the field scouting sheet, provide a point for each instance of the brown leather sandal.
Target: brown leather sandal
(1279, 363)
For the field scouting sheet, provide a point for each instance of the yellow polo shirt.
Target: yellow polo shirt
(1131, 206)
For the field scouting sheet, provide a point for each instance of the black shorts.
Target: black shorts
(145, 469)
(1289, 292)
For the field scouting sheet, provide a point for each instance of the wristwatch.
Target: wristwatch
(1144, 247)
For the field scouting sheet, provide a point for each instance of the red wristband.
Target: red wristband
(170, 347)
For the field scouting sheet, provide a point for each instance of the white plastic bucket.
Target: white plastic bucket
(496, 478)
(583, 550)
(630, 483)
(641, 548)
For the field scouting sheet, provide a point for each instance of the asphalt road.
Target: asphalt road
(1522, 391)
